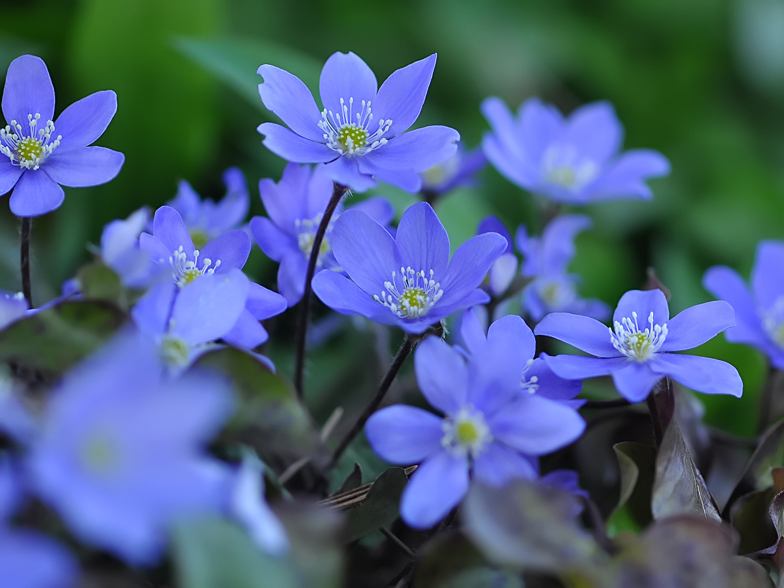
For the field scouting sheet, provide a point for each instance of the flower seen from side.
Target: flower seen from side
(636, 351)
(360, 133)
(39, 154)
(456, 172)
(120, 249)
(574, 159)
(503, 270)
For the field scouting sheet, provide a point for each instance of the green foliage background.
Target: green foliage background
(700, 81)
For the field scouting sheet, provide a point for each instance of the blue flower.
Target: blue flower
(503, 270)
(759, 312)
(360, 132)
(206, 219)
(29, 559)
(295, 206)
(456, 172)
(545, 261)
(121, 455)
(406, 280)
(573, 160)
(637, 351)
(120, 249)
(36, 154)
(488, 427)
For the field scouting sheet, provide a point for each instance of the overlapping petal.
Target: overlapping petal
(84, 166)
(402, 94)
(289, 98)
(293, 147)
(438, 485)
(582, 332)
(441, 374)
(404, 435)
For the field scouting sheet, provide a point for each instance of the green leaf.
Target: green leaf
(380, 507)
(353, 480)
(637, 464)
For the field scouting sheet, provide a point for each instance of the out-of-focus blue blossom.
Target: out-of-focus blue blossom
(488, 427)
(37, 155)
(31, 560)
(759, 310)
(637, 352)
(206, 219)
(407, 280)
(456, 172)
(360, 134)
(16, 421)
(295, 206)
(573, 160)
(13, 306)
(503, 270)
(121, 455)
(545, 260)
(120, 249)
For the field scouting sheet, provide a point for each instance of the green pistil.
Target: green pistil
(99, 453)
(199, 238)
(352, 137)
(175, 351)
(466, 433)
(29, 150)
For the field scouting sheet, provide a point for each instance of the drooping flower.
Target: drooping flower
(503, 270)
(456, 172)
(573, 160)
(360, 133)
(759, 310)
(206, 219)
(636, 351)
(38, 155)
(545, 260)
(120, 249)
(295, 206)
(121, 455)
(489, 428)
(407, 280)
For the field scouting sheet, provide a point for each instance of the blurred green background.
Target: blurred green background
(700, 81)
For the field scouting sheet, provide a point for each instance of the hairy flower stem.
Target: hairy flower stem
(338, 192)
(394, 368)
(25, 260)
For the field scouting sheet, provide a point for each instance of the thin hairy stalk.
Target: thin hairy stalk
(27, 224)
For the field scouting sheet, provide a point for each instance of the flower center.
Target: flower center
(99, 453)
(529, 385)
(556, 294)
(773, 322)
(199, 237)
(31, 150)
(563, 166)
(419, 293)
(307, 229)
(466, 433)
(184, 271)
(634, 343)
(348, 132)
(175, 351)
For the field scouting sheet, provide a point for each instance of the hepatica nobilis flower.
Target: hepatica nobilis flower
(360, 133)
(407, 280)
(759, 311)
(456, 172)
(488, 427)
(637, 350)
(295, 206)
(38, 154)
(574, 160)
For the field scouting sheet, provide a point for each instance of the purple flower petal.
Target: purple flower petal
(725, 283)
(471, 331)
(346, 76)
(345, 297)
(625, 177)
(492, 224)
(441, 375)
(404, 435)
(318, 192)
(502, 273)
(557, 244)
(504, 129)
(168, 227)
(422, 240)
(405, 179)
(35, 194)
(499, 464)
(28, 90)
(289, 98)
(85, 120)
(474, 298)
(231, 248)
(698, 324)
(273, 242)
(402, 94)
(766, 276)
(155, 247)
(503, 160)
(585, 333)
(494, 371)
(438, 485)
(703, 374)
(263, 303)
(291, 276)
(84, 166)
(344, 171)
(29, 559)
(9, 174)
(247, 332)
(595, 131)
(539, 125)
(377, 208)
(469, 266)
(635, 381)
(151, 311)
(576, 367)
(643, 302)
(512, 332)
(416, 150)
(536, 426)
(293, 147)
(281, 207)
(550, 385)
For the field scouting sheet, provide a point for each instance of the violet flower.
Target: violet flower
(407, 280)
(759, 311)
(295, 206)
(456, 172)
(503, 270)
(359, 134)
(29, 559)
(488, 427)
(545, 260)
(38, 155)
(574, 160)
(120, 249)
(637, 352)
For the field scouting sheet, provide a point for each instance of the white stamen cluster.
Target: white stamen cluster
(634, 343)
(773, 321)
(563, 166)
(306, 235)
(420, 293)
(466, 433)
(31, 150)
(530, 385)
(185, 271)
(349, 133)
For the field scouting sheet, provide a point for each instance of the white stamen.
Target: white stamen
(349, 133)
(185, 271)
(420, 293)
(466, 433)
(31, 148)
(634, 343)
(564, 166)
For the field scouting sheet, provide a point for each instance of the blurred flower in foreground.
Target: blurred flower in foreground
(360, 133)
(456, 172)
(408, 280)
(545, 261)
(295, 206)
(573, 160)
(759, 312)
(489, 428)
(503, 270)
(637, 355)
(36, 154)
